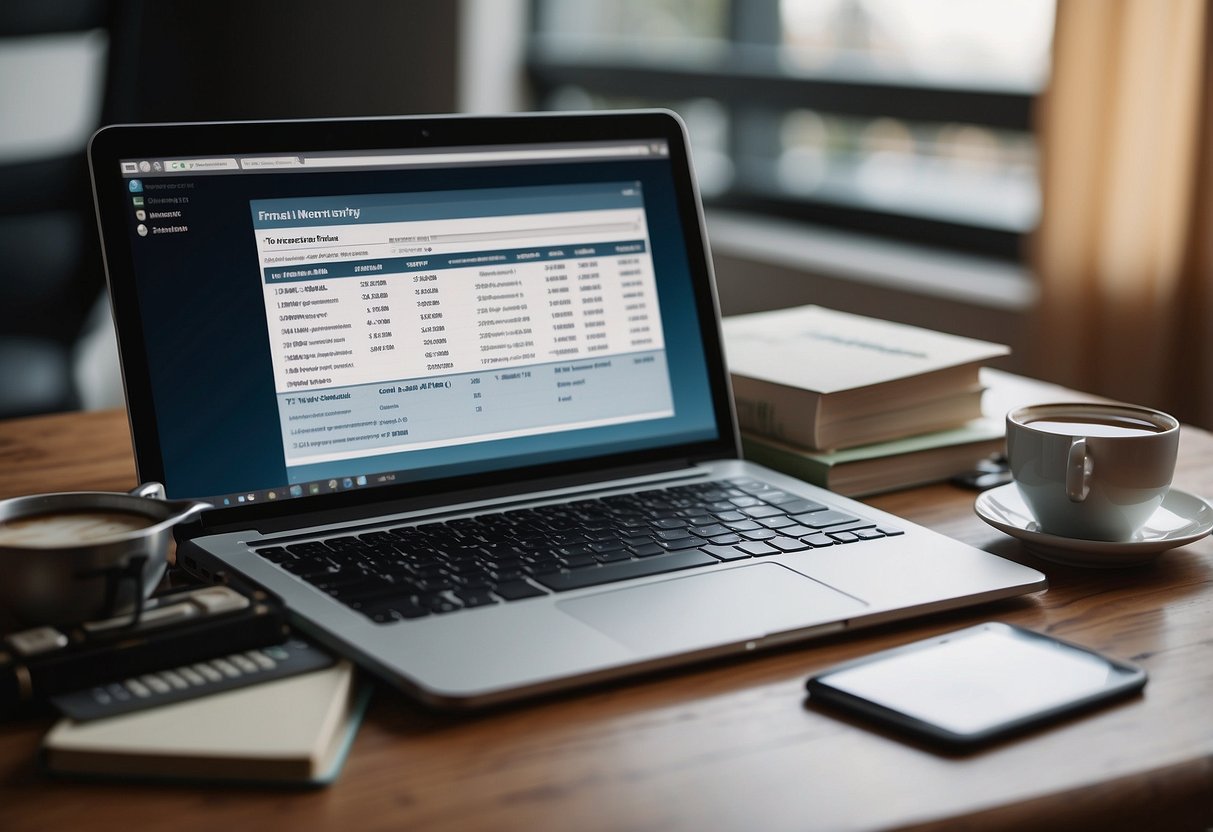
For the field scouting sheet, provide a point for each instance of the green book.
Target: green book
(882, 466)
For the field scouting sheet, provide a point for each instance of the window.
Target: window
(910, 120)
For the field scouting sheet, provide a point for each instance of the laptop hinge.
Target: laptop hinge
(494, 498)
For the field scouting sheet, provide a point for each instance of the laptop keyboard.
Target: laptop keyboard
(412, 571)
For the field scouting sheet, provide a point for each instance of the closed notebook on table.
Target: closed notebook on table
(293, 731)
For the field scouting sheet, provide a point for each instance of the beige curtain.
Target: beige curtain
(1123, 252)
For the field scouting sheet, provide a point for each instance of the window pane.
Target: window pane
(899, 117)
(707, 123)
(50, 93)
(973, 43)
(952, 172)
(630, 19)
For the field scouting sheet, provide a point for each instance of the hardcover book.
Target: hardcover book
(824, 379)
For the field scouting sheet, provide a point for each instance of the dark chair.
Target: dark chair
(50, 266)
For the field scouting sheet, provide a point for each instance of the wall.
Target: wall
(766, 264)
(231, 59)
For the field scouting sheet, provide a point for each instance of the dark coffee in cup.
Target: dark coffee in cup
(71, 528)
(1086, 426)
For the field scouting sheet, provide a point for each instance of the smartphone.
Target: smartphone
(988, 473)
(975, 685)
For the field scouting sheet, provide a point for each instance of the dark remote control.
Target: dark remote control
(189, 681)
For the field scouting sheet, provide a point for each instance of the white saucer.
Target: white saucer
(1181, 519)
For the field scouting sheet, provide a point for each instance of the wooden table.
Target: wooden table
(725, 746)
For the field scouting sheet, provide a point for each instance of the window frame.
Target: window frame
(746, 76)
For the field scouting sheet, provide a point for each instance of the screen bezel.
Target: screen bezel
(112, 144)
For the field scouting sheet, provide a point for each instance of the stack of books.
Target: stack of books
(855, 404)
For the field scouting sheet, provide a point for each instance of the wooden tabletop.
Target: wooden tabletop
(725, 746)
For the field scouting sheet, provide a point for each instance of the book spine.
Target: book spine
(783, 413)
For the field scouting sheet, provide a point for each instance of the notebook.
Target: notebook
(456, 391)
(294, 731)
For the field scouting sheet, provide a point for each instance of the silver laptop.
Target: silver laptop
(455, 389)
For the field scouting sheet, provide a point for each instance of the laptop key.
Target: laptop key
(757, 548)
(614, 556)
(823, 519)
(779, 498)
(760, 511)
(542, 568)
(475, 598)
(788, 544)
(311, 548)
(726, 552)
(309, 570)
(646, 550)
(377, 537)
(610, 573)
(800, 506)
(389, 612)
(682, 543)
(574, 551)
(439, 604)
(517, 590)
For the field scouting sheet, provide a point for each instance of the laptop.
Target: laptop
(455, 389)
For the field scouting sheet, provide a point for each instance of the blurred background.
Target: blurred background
(1027, 171)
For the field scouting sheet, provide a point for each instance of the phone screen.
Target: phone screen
(978, 681)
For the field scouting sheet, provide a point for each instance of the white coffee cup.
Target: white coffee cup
(1092, 471)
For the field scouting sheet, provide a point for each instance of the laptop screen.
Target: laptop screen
(319, 321)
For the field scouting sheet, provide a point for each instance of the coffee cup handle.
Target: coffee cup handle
(1079, 466)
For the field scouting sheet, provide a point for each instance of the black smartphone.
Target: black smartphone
(975, 685)
(988, 473)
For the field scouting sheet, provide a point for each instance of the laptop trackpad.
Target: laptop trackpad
(717, 607)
